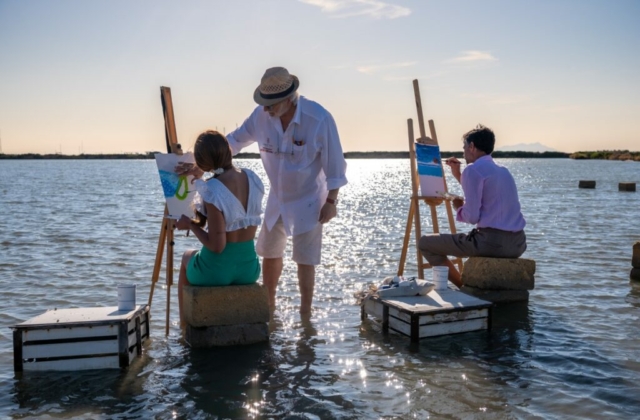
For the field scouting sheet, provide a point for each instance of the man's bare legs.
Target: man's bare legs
(271, 271)
(182, 280)
(306, 283)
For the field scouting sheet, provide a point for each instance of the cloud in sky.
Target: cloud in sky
(348, 8)
(473, 57)
(376, 68)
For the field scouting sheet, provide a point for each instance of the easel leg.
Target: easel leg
(169, 270)
(405, 242)
(416, 221)
(158, 263)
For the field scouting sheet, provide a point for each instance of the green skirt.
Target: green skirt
(237, 264)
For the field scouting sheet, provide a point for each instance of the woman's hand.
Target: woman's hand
(184, 223)
(189, 169)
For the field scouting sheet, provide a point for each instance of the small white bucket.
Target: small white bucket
(126, 297)
(440, 275)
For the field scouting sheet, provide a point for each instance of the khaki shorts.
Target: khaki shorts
(307, 246)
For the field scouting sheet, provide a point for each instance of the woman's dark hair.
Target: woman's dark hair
(211, 151)
(482, 137)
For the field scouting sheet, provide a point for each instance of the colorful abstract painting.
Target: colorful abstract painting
(178, 189)
(429, 170)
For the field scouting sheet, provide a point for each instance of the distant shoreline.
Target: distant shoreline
(347, 155)
(607, 155)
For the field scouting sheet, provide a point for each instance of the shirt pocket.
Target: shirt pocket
(300, 154)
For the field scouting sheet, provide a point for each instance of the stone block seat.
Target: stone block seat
(498, 280)
(635, 262)
(225, 316)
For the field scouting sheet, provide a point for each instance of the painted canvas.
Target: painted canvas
(430, 170)
(178, 189)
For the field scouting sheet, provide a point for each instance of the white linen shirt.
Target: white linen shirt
(303, 163)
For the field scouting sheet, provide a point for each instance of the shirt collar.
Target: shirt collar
(298, 113)
(488, 158)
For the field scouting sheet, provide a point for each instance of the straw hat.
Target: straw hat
(276, 84)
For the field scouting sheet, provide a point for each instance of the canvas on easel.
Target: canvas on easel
(177, 189)
(430, 173)
(166, 230)
(427, 175)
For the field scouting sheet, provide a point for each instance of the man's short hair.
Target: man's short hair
(482, 137)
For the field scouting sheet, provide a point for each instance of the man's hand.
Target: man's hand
(454, 164)
(457, 203)
(327, 212)
(189, 169)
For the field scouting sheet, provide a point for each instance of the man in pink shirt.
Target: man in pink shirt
(491, 203)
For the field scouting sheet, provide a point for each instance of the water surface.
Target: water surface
(72, 230)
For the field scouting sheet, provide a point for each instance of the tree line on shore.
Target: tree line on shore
(600, 154)
(607, 155)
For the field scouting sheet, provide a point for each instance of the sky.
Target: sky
(84, 76)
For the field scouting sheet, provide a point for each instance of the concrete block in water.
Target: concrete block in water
(225, 305)
(635, 259)
(497, 296)
(586, 184)
(627, 186)
(635, 274)
(499, 273)
(226, 335)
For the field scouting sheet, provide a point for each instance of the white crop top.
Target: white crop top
(216, 193)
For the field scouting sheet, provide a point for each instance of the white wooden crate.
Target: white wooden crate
(438, 313)
(80, 339)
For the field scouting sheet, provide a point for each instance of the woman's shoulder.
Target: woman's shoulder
(209, 188)
(254, 179)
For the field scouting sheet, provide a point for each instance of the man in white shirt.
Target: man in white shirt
(302, 156)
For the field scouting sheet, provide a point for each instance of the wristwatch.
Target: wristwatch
(332, 201)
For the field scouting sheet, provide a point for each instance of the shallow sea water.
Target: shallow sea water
(72, 230)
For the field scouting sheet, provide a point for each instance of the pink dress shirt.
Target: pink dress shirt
(490, 197)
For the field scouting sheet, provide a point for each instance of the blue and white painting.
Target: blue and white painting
(429, 170)
(177, 189)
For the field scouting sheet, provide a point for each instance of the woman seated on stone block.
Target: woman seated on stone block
(229, 204)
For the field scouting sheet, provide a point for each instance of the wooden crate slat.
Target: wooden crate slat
(79, 316)
(69, 332)
(133, 354)
(441, 317)
(445, 328)
(85, 348)
(133, 339)
(105, 362)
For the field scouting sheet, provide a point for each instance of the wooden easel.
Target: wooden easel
(166, 231)
(414, 208)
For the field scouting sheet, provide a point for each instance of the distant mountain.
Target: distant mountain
(526, 147)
